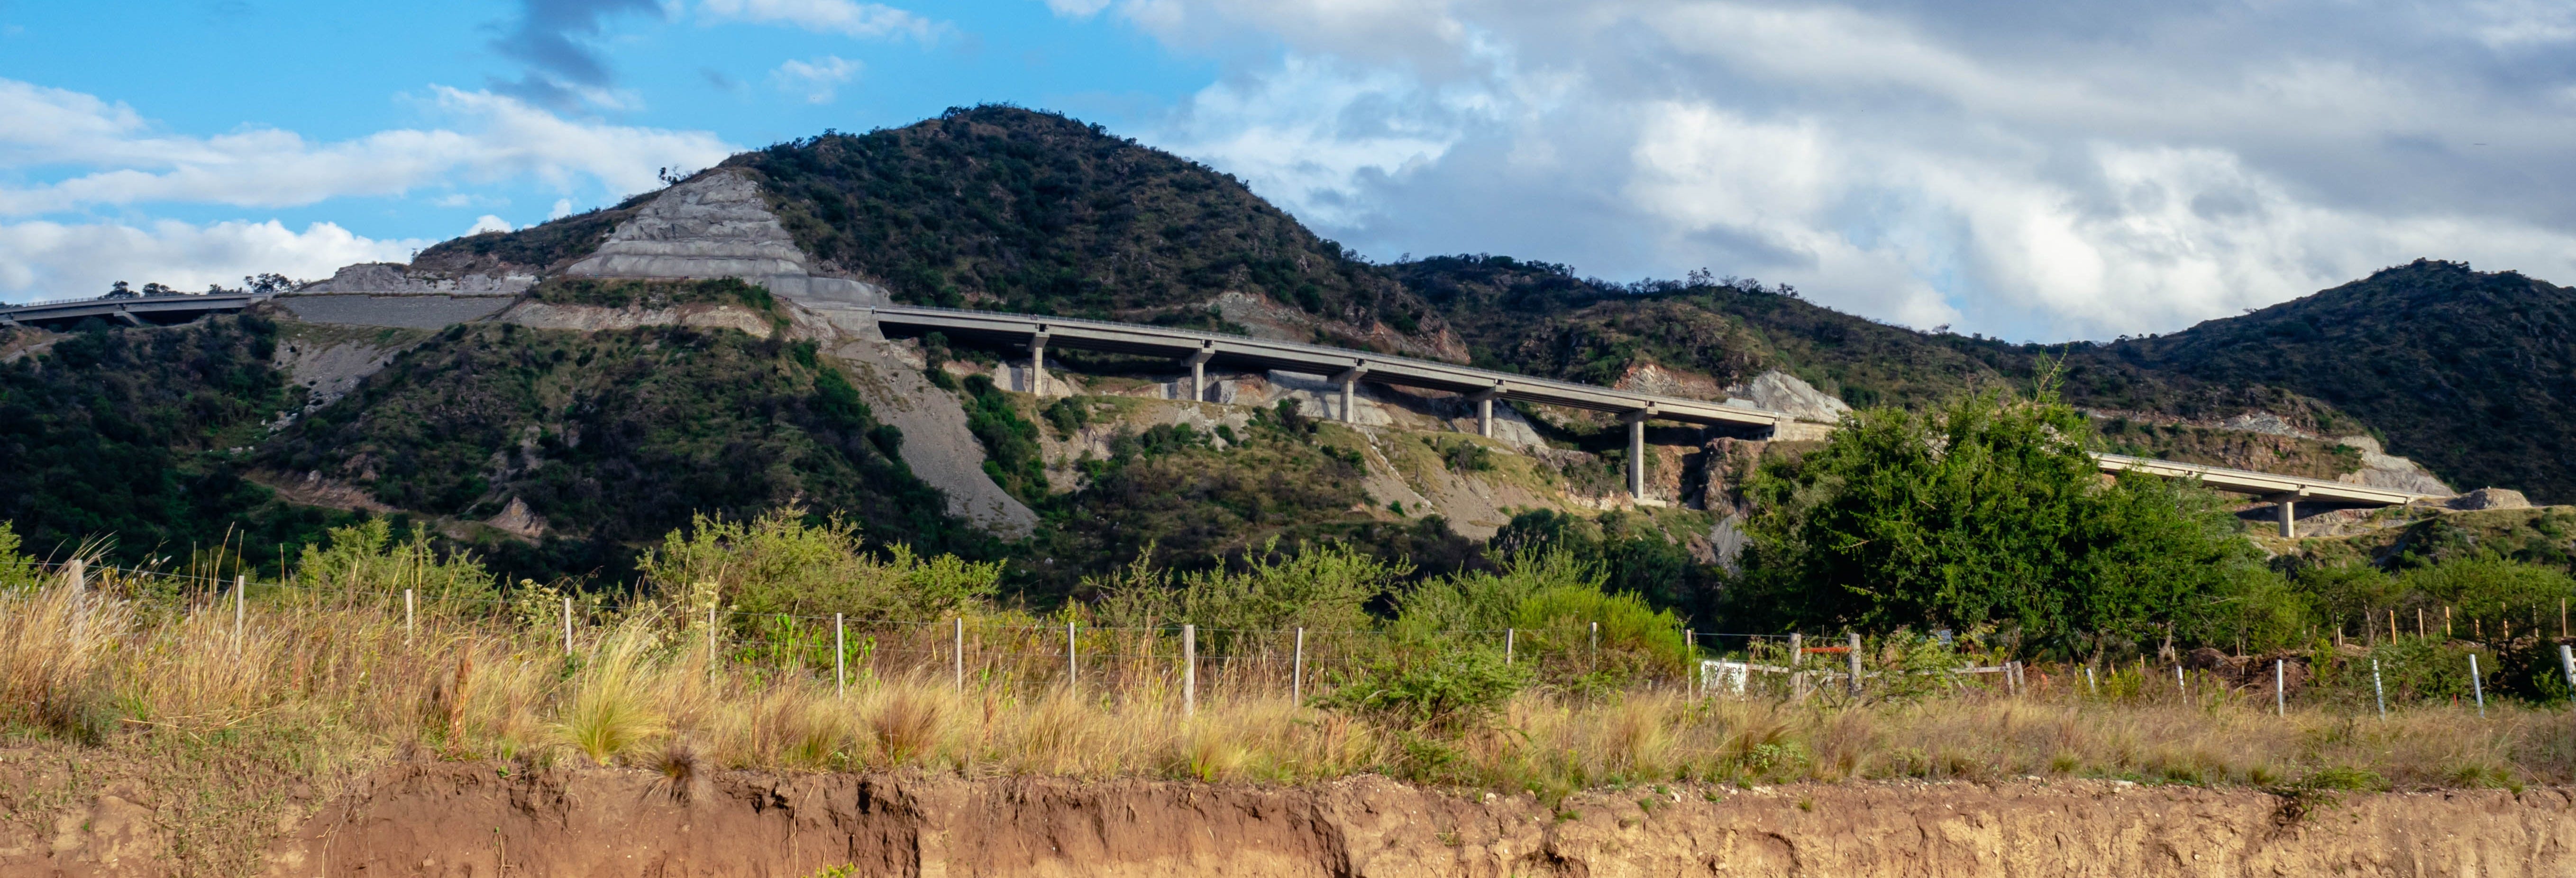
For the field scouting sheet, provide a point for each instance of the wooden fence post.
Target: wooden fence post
(411, 622)
(238, 611)
(840, 656)
(2280, 696)
(959, 653)
(1797, 674)
(1855, 664)
(567, 619)
(1507, 644)
(1189, 670)
(1072, 671)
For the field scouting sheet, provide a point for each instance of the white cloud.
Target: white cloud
(495, 137)
(864, 20)
(817, 80)
(562, 208)
(46, 260)
(1077, 8)
(2027, 168)
(489, 223)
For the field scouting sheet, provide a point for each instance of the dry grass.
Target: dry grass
(642, 693)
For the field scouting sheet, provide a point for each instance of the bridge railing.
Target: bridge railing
(1321, 350)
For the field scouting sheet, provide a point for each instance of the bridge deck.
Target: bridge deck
(1244, 351)
(2267, 485)
(132, 309)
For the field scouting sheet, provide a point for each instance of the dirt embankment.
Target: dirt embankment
(481, 819)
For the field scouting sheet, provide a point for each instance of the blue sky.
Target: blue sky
(2025, 169)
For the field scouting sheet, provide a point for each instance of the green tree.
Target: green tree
(1989, 511)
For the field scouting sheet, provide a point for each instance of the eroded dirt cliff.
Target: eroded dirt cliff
(484, 819)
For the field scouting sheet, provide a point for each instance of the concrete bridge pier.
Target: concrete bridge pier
(1350, 381)
(1198, 371)
(1485, 411)
(2286, 505)
(1037, 363)
(1636, 421)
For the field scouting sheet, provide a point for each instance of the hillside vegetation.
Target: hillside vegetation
(132, 436)
(2472, 373)
(1017, 210)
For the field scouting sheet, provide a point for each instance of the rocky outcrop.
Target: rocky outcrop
(2490, 498)
(1782, 392)
(2380, 469)
(716, 226)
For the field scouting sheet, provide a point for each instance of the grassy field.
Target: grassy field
(349, 682)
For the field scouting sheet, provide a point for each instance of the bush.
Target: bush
(1986, 511)
(365, 559)
(1441, 691)
(779, 563)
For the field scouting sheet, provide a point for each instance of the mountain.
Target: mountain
(2472, 372)
(566, 420)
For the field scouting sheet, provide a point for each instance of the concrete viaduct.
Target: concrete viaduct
(1343, 366)
(129, 310)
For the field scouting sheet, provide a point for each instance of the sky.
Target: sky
(2036, 171)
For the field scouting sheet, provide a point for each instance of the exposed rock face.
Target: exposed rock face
(595, 318)
(2264, 422)
(388, 278)
(2490, 498)
(936, 443)
(2382, 470)
(712, 227)
(1782, 392)
(330, 371)
(517, 520)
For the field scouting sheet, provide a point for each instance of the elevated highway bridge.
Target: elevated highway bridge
(128, 310)
(1345, 367)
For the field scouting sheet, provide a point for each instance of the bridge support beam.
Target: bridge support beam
(1485, 411)
(1637, 451)
(128, 317)
(2285, 507)
(1037, 363)
(1350, 382)
(1198, 371)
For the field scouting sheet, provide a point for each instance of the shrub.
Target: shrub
(1444, 691)
(365, 559)
(779, 563)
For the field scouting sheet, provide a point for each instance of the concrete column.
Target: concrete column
(1198, 372)
(1037, 364)
(2289, 518)
(1637, 452)
(1485, 411)
(1350, 382)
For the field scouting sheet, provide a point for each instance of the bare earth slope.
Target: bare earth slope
(457, 819)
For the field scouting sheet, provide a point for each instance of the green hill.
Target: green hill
(2473, 373)
(614, 436)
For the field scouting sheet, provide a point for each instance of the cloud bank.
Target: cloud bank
(74, 155)
(2039, 170)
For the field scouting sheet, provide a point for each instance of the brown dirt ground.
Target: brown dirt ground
(116, 814)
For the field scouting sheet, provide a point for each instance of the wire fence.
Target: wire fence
(1187, 663)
